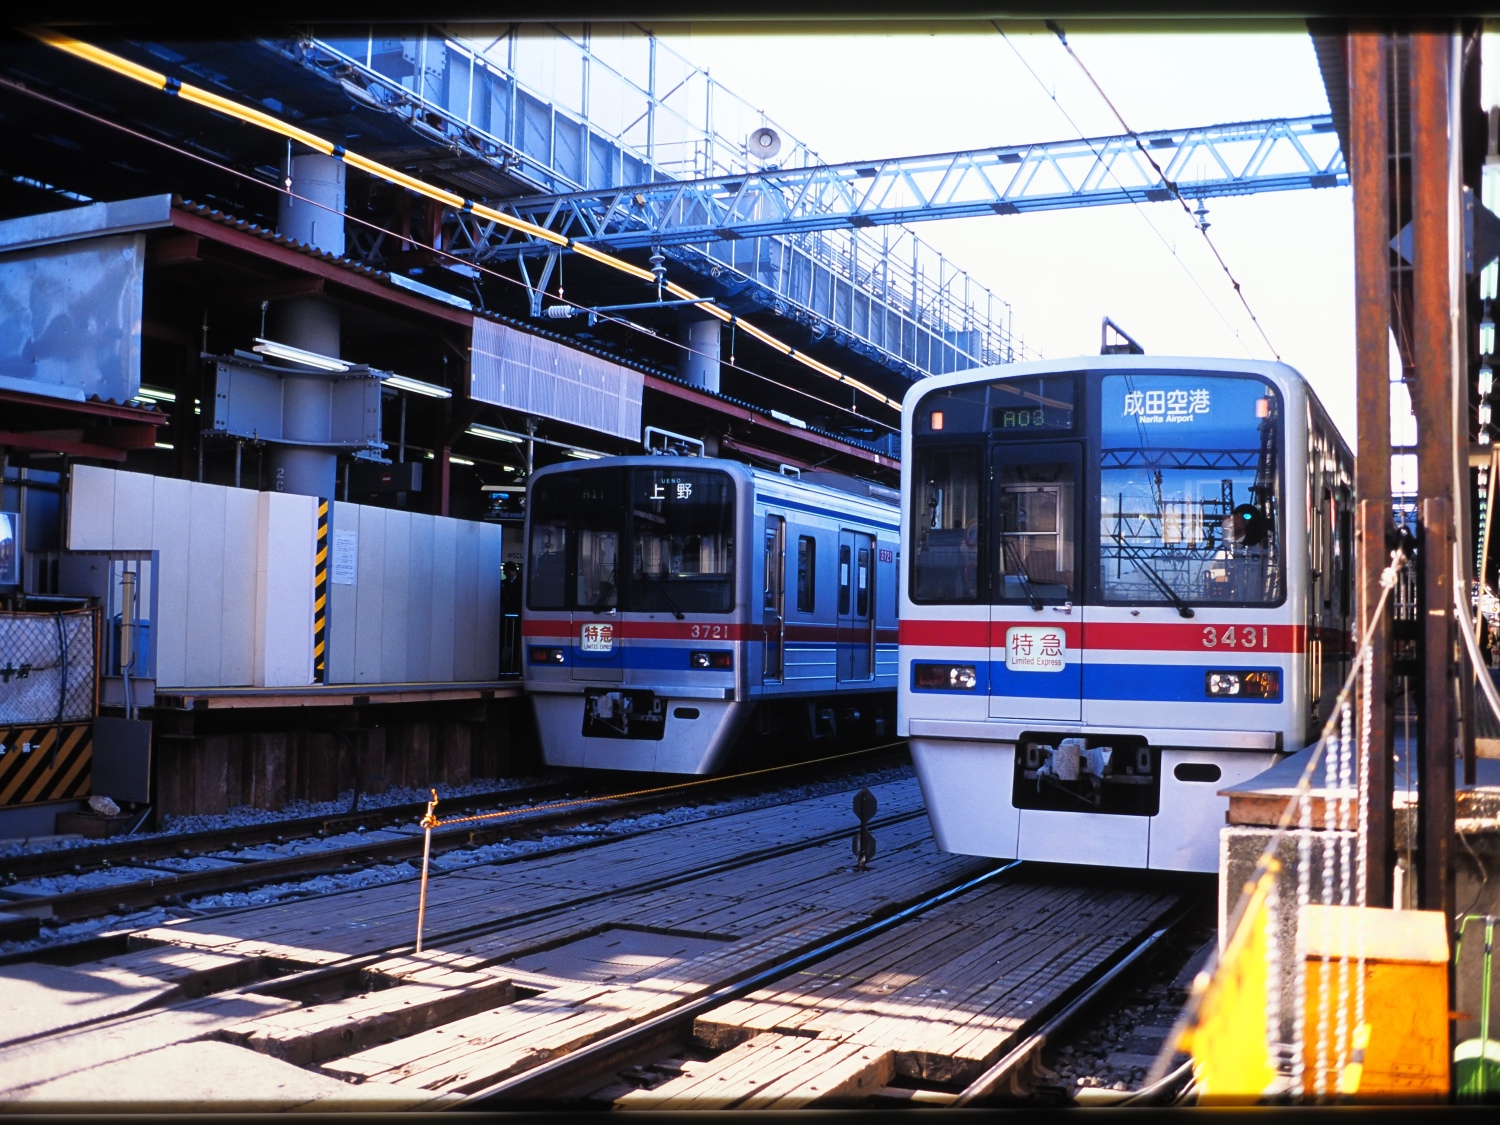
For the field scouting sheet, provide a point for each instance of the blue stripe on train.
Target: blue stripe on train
(1155, 683)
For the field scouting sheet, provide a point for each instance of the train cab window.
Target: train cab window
(946, 507)
(575, 540)
(1190, 493)
(807, 573)
(844, 576)
(682, 541)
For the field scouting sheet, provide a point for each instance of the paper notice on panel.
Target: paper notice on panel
(345, 566)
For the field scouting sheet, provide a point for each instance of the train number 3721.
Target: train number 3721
(710, 632)
(1236, 636)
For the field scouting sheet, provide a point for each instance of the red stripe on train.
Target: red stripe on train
(685, 631)
(648, 630)
(1143, 636)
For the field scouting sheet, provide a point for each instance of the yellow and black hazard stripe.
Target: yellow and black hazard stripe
(320, 596)
(45, 763)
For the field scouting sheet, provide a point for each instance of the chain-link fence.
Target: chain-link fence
(47, 667)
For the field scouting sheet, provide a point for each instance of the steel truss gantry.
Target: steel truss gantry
(1284, 154)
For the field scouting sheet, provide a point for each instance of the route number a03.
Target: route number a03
(1236, 636)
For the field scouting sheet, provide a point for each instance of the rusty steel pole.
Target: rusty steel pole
(1432, 397)
(1369, 175)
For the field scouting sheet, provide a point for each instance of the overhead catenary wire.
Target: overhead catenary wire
(1170, 185)
(280, 189)
(1110, 169)
(174, 87)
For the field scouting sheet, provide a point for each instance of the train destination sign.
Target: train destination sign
(1179, 405)
(1030, 649)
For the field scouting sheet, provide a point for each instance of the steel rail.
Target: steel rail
(142, 849)
(121, 897)
(572, 1071)
(1005, 1077)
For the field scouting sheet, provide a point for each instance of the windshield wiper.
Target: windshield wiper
(661, 589)
(1157, 580)
(1025, 575)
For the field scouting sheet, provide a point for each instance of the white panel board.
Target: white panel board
(237, 615)
(370, 596)
(393, 631)
(419, 600)
(287, 530)
(487, 643)
(205, 586)
(91, 508)
(466, 601)
(444, 603)
(171, 537)
(342, 600)
(134, 500)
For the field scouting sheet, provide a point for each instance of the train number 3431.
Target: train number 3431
(710, 632)
(1236, 636)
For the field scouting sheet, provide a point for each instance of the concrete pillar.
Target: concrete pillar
(320, 222)
(699, 364)
(310, 323)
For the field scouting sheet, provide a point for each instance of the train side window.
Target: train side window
(807, 573)
(862, 588)
(844, 580)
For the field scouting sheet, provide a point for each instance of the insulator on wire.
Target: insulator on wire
(559, 312)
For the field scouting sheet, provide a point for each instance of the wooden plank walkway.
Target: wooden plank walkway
(454, 1018)
(940, 1001)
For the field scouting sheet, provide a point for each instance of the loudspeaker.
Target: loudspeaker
(764, 143)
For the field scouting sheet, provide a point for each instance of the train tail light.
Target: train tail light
(714, 660)
(1259, 684)
(547, 656)
(945, 677)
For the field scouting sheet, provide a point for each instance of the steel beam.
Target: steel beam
(1432, 337)
(1205, 162)
(1369, 175)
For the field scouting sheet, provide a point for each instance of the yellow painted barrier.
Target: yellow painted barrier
(1228, 1039)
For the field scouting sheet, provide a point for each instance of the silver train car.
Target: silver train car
(677, 605)
(1128, 586)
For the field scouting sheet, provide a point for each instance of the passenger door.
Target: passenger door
(1035, 657)
(597, 652)
(856, 605)
(773, 600)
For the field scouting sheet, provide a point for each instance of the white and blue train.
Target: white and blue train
(679, 607)
(1127, 588)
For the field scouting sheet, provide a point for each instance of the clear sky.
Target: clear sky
(872, 95)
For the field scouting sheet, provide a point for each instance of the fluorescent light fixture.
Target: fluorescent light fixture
(493, 434)
(297, 355)
(504, 489)
(153, 394)
(165, 445)
(416, 386)
(452, 460)
(585, 454)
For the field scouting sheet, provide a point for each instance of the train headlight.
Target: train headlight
(1264, 684)
(547, 656)
(714, 660)
(945, 677)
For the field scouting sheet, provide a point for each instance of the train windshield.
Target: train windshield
(1189, 507)
(655, 540)
(682, 539)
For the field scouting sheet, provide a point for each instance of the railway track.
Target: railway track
(529, 819)
(784, 948)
